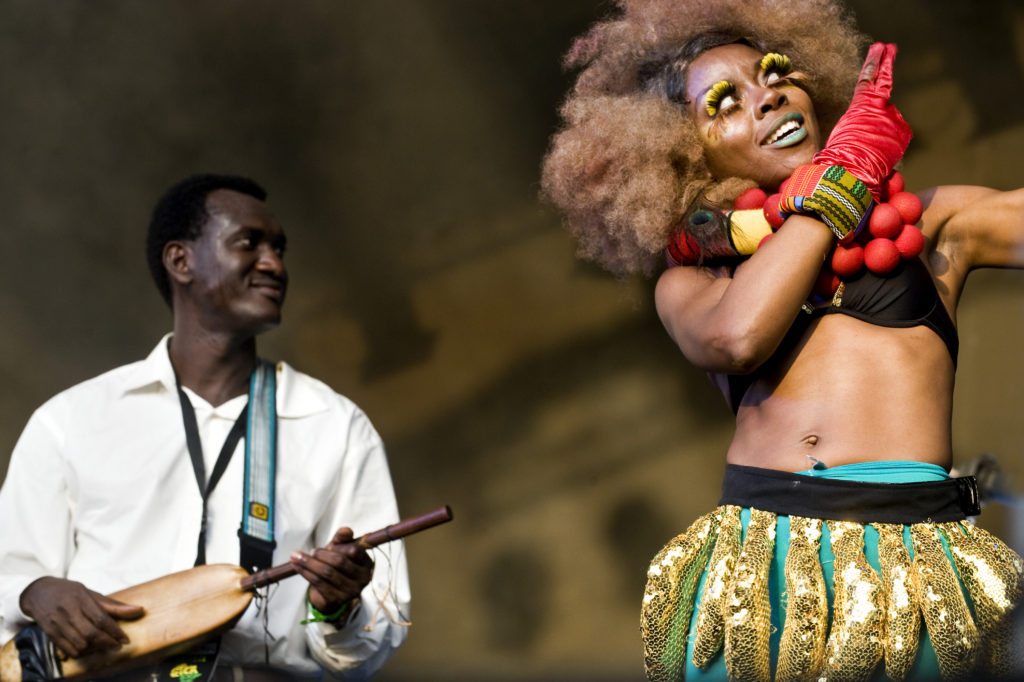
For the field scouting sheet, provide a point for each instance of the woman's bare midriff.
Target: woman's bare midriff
(849, 392)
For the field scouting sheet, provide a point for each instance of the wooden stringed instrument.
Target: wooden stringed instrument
(213, 596)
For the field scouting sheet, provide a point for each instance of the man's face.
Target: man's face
(237, 265)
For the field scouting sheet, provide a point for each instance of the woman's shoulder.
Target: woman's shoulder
(968, 227)
(974, 226)
(943, 203)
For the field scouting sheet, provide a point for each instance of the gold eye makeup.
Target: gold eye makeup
(774, 61)
(717, 94)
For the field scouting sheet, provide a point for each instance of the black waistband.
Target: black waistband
(840, 500)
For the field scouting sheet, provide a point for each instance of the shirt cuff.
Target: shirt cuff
(350, 647)
(12, 618)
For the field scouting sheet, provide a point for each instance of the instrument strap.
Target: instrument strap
(258, 421)
(256, 536)
(195, 453)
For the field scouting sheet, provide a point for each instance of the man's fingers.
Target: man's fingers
(359, 555)
(337, 573)
(328, 592)
(334, 567)
(89, 623)
(101, 620)
(342, 535)
(70, 645)
(67, 638)
(332, 575)
(86, 627)
(118, 609)
(337, 555)
(323, 569)
(78, 620)
(65, 645)
(350, 559)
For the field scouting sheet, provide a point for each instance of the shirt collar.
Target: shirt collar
(296, 395)
(155, 370)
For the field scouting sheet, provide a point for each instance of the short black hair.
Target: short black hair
(181, 213)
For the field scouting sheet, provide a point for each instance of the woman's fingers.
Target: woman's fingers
(883, 79)
(876, 73)
(869, 70)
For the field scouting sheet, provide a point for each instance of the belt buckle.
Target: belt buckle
(967, 491)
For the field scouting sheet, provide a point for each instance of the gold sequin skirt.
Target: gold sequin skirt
(956, 580)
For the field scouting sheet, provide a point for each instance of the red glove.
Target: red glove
(871, 137)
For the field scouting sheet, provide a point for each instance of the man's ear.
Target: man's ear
(177, 260)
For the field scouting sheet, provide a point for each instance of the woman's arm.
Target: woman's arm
(972, 227)
(984, 226)
(733, 325)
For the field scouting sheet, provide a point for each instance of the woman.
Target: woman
(841, 549)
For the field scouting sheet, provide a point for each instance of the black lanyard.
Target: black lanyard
(195, 452)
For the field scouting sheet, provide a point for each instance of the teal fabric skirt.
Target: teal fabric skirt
(926, 665)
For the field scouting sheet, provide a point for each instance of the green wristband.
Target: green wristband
(315, 616)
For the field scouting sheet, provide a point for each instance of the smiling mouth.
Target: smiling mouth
(788, 131)
(274, 291)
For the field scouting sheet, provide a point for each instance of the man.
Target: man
(102, 490)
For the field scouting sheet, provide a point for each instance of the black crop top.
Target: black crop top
(903, 298)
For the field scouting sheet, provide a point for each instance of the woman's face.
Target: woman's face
(754, 120)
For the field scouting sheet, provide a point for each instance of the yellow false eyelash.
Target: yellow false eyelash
(716, 93)
(773, 61)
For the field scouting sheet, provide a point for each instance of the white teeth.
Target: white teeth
(783, 130)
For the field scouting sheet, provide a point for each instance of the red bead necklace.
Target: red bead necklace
(891, 235)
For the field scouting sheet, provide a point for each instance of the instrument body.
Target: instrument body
(186, 608)
(182, 609)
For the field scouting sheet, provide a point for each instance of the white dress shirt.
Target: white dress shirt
(101, 490)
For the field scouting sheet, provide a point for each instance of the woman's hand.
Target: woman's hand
(872, 136)
(862, 151)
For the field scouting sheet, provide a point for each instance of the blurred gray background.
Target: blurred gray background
(401, 141)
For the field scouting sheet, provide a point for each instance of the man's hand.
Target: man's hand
(78, 620)
(336, 573)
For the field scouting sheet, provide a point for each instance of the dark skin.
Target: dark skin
(848, 391)
(228, 286)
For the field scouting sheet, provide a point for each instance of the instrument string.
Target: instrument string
(262, 597)
(396, 618)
